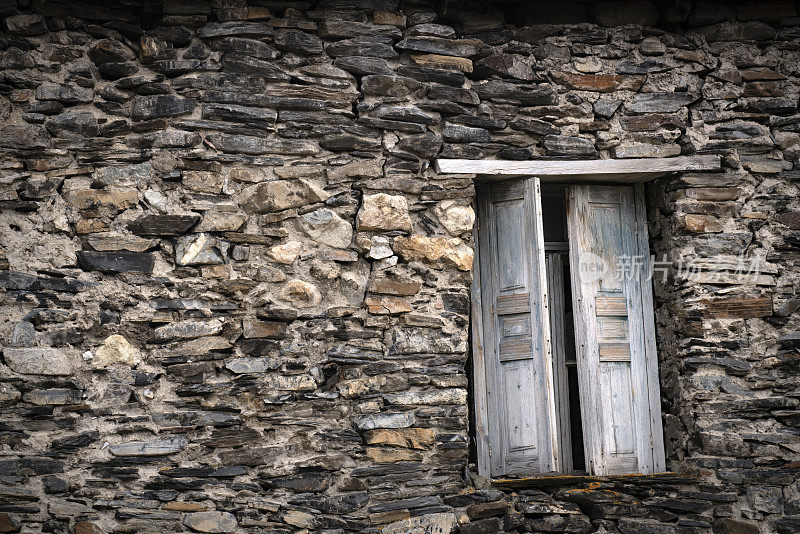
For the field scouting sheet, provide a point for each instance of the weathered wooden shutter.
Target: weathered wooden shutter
(615, 332)
(520, 415)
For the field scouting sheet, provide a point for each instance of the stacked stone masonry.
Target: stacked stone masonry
(235, 292)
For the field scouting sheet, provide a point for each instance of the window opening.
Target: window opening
(565, 369)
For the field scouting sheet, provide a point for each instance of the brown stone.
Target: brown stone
(443, 62)
(763, 89)
(386, 17)
(220, 221)
(258, 13)
(253, 328)
(738, 307)
(700, 224)
(732, 75)
(107, 241)
(436, 250)
(650, 121)
(689, 55)
(716, 194)
(384, 305)
(81, 527)
(735, 526)
(93, 198)
(790, 219)
(89, 226)
(603, 83)
(394, 286)
(409, 438)
(762, 74)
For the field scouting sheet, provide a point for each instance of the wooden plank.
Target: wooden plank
(585, 334)
(628, 170)
(651, 350)
(613, 328)
(549, 450)
(515, 350)
(634, 445)
(611, 306)
(479, 364)
(518, 303)
(508, 190)
(615, 352)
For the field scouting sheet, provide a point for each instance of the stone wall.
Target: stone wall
(236, 293)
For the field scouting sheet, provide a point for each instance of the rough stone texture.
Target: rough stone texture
(40, 361)
(116, 350)
(219, 522)
(235, 291)
(382, 212)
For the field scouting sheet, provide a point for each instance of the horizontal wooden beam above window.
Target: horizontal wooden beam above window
(617, 170)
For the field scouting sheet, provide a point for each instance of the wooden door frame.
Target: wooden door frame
(620, 171)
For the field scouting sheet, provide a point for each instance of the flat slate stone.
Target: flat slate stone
(738, 31)
(790, 341)
(660, 102)
(345, 29)
(426, 524)
(25, 137)
(235, 28)
(188, 329)
(251, 365)
(298, 42)
(243, 144)
(430, 75)
(362, 66)
(116, 262)
(159, 447)
(71, 125)
(249, 47)
(384, 420)
(40, 361)
(642, 67)
(525, 94)
(562, 145)
(362, 46)
(258, 117)
(166, 225)
(155, 106)
(445, 47)
(458, 133)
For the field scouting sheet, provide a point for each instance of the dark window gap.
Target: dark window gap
(565, 372)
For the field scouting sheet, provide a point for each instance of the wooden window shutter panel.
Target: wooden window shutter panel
(520, 409)
(615, 330)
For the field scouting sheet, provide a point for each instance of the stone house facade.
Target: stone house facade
(236, 271)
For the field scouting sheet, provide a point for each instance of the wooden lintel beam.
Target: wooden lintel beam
(631, 170)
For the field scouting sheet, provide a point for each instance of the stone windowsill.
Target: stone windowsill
(561, 479)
